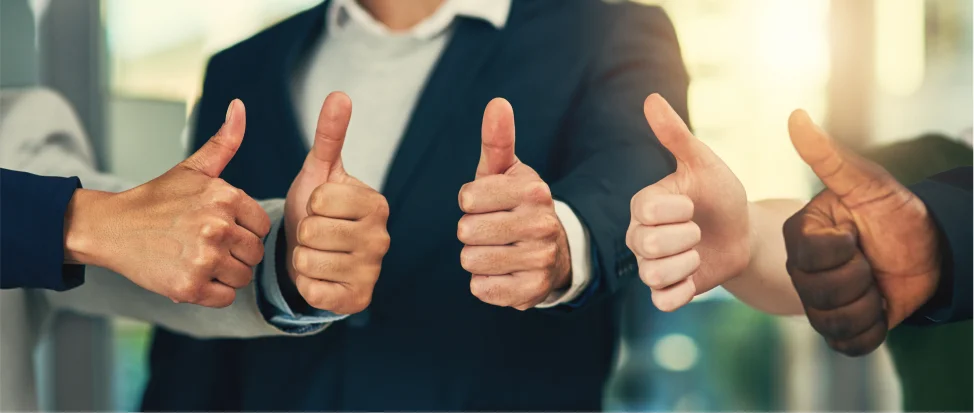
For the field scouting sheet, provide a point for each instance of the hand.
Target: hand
(335, 224)
(690, 230)
(515, 247)
(187, 234)
(865, 238)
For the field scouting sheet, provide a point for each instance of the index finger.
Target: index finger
(252, 216)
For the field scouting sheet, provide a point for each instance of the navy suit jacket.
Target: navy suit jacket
(948, 199)
(32, 232)
(577, 73)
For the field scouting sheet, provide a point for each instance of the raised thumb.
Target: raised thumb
(217, 152)
(497, 139)
(325, 157)
(839, 169)
(673, 132)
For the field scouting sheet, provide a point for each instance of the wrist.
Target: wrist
(83, 228)
(753, 235)
(563, 282)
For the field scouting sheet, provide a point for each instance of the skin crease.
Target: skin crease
(335, 224)
(515, 246)
(187, 234)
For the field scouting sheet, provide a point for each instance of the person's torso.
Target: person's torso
(425, 343)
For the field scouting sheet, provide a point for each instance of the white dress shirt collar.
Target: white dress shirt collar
(495, 12)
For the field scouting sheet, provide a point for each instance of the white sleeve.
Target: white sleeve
(39, 133)
(579, 247)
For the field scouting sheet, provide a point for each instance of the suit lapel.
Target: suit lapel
(300, 37)
(470, 47)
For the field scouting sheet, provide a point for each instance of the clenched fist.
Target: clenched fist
(690, 231)
(863, 254)
(335, 224)
(515, 246)
(187, 234)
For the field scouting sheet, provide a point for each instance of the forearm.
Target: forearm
(109, 294)
(765, 284)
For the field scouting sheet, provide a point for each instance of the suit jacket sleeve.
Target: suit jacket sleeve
(609, 152)
(32, 240)
(948, 200)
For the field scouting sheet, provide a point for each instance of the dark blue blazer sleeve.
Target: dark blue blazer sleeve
(948, 200)
(609, 152)
(32, 232)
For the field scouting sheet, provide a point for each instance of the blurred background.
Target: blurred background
(878, 73)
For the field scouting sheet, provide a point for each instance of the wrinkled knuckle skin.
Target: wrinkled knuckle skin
(381, 207)
(359, 302)
(381, 243)
(318, 198)
(467, 259)
(650, 245)
(215, 231)
(483, 291)
(650, 276)
(538, 192)
(663, 303)
(187, 290)
(314, 296)
(301, 261)
(836, 327)
(634, 205)
(306, 232)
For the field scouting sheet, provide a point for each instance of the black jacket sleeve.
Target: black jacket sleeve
(32, 232)
(948, 199)
(609, 152)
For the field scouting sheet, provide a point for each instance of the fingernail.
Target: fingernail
(229, 112)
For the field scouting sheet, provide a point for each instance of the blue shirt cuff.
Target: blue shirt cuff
(280, 302)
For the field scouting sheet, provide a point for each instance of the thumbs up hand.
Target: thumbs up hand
(335, 224)
(515, 247)
(187, 235)
(862, 240)
(690, 230)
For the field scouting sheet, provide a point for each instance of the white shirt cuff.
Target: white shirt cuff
(579, 248)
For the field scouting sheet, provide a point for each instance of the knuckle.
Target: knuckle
(544, 285)
(359, 302)
(215, 230)
(539, 192)
(315, 297)
(382, 242)
(467, 259)
(648, 210)
(547, 256)
(319, 197)
(649, 244)
(650, 276)
(306, 232)
(187, 290)
(482, 290)
(234, 194)
(695, 232)
(834, 326)
(464, 197)
(301, 260)
(201, 264)
(663, 301)
(381, 206)
(545, 226)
